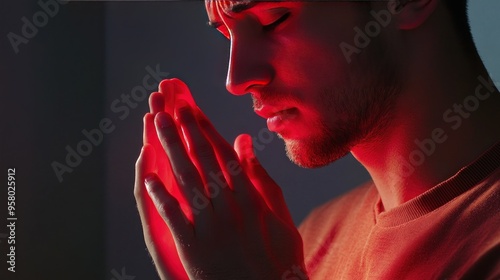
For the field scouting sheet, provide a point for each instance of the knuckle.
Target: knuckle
(138, 164)
(137, 192)
(170, 138)
(163, 208)
(187, 177)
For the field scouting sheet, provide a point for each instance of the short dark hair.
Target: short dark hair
(458, 10)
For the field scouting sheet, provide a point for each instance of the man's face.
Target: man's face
(288, 56)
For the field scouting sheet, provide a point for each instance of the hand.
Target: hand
(157, 235)
(228, 218)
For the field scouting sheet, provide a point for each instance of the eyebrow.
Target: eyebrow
(236, 9)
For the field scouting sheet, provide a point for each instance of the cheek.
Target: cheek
(302, 59)
(308, 52)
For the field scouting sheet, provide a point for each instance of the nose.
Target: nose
(249, 66)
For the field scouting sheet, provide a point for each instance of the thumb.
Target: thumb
(263, 183)
(244, 148)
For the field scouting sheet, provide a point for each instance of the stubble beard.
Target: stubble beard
(357, 116)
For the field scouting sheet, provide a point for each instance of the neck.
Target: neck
(445, 118)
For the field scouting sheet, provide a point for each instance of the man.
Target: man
(406, 93)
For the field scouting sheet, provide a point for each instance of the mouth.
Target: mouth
(277, 118)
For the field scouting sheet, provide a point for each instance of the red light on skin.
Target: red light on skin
(277, 122)
(155, 229)
(174, 93)
(156, 162)
(159, 208)
(173, 90)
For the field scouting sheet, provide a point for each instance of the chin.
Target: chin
(314, 154)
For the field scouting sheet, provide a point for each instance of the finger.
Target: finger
(263, 183)
(156, 102)
(182, 92)
(229, 161)
(185, 172)
(149, 133)
(170, 210)
(170, 91)
(203, 154)
(221, 146)
(143, 165)
(157, 235)
(150, 138)
(162, 167)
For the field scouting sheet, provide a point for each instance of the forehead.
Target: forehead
(227, 5)
(217, 7)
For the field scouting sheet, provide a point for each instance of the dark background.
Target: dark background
(65, 80)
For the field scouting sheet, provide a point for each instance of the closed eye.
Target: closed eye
(272, 26)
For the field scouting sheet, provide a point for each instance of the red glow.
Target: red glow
(172, 91)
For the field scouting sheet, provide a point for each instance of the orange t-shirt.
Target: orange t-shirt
(451, 231)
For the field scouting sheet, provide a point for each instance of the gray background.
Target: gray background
(65, 80)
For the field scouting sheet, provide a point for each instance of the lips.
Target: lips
(277, 118)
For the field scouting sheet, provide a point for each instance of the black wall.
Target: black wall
(50, 90)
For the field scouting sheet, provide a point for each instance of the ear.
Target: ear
(413, 13)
